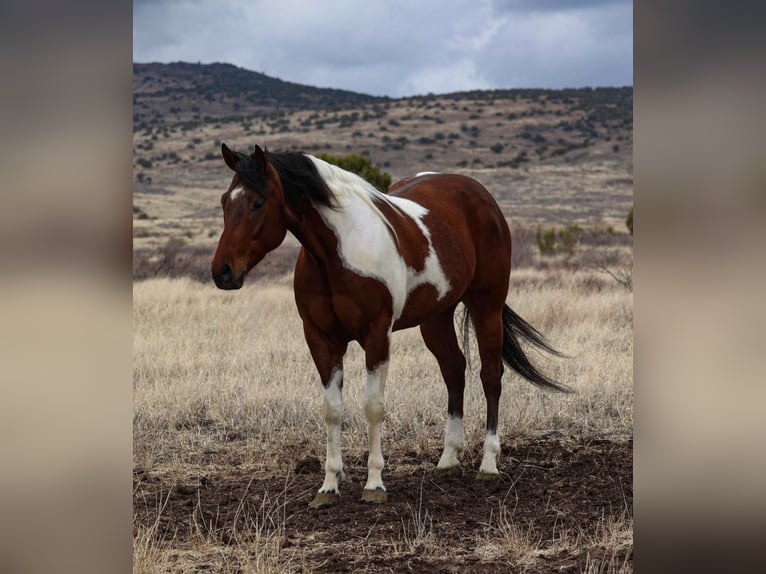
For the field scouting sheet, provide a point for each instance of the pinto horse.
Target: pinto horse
(373, 263)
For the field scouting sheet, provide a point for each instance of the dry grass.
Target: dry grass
(254, 543)
(607, 550)
(210, 365)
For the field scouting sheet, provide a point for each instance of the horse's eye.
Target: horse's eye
(256, 205)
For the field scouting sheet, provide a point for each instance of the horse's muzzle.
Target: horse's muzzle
(225, 279)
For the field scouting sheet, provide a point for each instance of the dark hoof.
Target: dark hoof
(487, 475)
(448, 472)
(374, 496)
(324, 499)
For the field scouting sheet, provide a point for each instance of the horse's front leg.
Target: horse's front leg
(328, 358)
(333, 413)
(377, 351)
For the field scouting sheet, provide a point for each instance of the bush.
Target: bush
(361, 166)
(629, 221)
(140, 213)
(546, 241)
(551, 241)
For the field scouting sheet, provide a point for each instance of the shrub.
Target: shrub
(629, 220)
(546, 241)
(361, 166)
(551, 241)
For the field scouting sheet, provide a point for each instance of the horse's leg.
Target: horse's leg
(487, 318)
(376, 356)
(328, 358)
(439, 336)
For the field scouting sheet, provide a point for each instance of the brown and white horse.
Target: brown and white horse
(374, 263)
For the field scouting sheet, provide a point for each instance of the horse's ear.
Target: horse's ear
(229, 157)
(259, 158)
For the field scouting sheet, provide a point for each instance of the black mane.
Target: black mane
(298, 174)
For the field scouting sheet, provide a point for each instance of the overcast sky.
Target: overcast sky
(398, 47)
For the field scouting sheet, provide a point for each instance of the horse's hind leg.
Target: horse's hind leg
(439, 336)
(487, 318)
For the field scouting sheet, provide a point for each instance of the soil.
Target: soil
(554, 484)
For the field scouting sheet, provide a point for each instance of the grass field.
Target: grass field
(229, 441)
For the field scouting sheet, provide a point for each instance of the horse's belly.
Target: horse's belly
(422, 303)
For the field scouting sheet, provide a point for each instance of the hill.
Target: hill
(183, 91)
(553, 157)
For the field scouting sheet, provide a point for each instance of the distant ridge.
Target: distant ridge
(222, 90)
(189, 93)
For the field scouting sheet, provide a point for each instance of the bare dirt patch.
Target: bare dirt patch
(559, 506)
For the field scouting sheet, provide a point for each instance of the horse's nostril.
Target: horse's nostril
(226, 274)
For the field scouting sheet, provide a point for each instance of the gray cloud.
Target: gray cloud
(553, 5)
(398, 47)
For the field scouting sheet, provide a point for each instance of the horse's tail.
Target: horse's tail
(514, 328)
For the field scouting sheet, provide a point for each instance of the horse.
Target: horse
(373, 263)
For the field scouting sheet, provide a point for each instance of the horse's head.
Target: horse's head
(254, 220)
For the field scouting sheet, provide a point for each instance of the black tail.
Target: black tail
(514, 327)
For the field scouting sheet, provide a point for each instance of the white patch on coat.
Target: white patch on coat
(365, 244)
(422, 173)
(236, 192)
(374, 410)
(491, 451)
(333, 413)
(453, 442)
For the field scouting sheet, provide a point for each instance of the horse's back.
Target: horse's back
(460, 201)
(468, 229)
(443, 192)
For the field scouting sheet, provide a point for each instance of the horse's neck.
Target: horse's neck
(354, 223)
(309, 227)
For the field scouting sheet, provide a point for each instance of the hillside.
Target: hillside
(497, 128)
(182, 91)
(549, 156)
